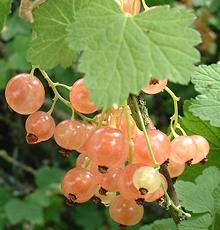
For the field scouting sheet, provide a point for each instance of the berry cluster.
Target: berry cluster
(118, 163)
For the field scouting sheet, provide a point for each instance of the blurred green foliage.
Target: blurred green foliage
(32, 200)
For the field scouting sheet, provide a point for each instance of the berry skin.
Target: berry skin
(78, 185)
(125, 212)
(70, 134)
(24, 94)
(128, 6)
(109, 180)
(155, 86)
(126, 186)
(118, 119)
(160, 144)
(107, 147)
(146, 180)
(202, 148)
(175, 169)
(183, 149)
(79, 98)
(83, 161)
(88, 132)
(39, 126)
(150, 197)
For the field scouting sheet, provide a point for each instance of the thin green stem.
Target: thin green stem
(175, 103)
(55, 99)
(63, 85)
(175, 117)
(181, 129)
(32, 71)
(155, 163)
(145, 5)
(170, 203)
(53, 87)
(130, 142)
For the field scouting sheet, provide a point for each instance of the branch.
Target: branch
(6, 157)
(163, 168)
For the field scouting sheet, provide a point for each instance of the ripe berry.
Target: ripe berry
(202, 148)
(160, 144)
(125, 212)
(39, 126)
(107, 147)
(79, 98)
(183, 149)
(150, 197)
(155, 86)
(126, 186)
(130, 5)
(109, 180)
(70, 134)
(175, 169)
(146, 180)
(78, 185)
(24, 94)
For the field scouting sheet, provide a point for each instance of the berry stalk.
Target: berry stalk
(144, 5)
(143, 128)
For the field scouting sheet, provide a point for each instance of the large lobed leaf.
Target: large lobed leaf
(207, 82)
(201, 197)
(194, 125)
(122, 52)
(48, 47)
(203, 187)
(164, 224)
(5, 6)
(196, 223)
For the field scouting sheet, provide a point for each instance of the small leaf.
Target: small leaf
(46, 176)
(122, 52)
(5, 6)
(196, 223)
(15, 211)
(19, 210)
(207, 82)
(165, 224)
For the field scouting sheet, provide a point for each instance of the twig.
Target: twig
(6, 157)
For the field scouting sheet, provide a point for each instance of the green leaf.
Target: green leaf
(17, 211)
(196, 223)
(15, 25)
(207, 82)
(165, 224)
(48, 47)
(5, 7)
(193, 125)
(216, 195)
(203, 201)
(4, 197)
(122, 52)
(46, 176)
(88, 210)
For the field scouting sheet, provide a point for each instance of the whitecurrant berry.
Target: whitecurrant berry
(25, 94)
(39, 126)
(146, 180)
